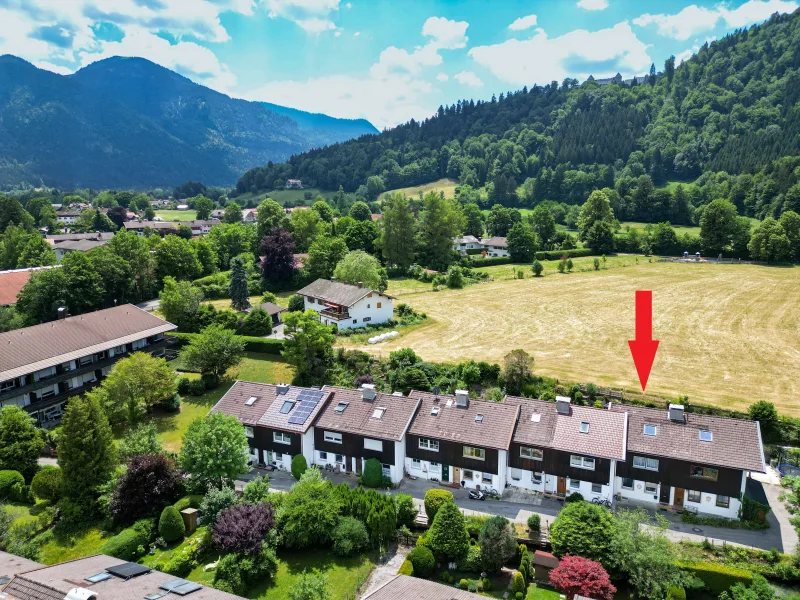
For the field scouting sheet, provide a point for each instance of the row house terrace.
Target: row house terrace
(42, 366)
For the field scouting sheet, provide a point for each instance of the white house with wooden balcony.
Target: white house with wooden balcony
(347, 306)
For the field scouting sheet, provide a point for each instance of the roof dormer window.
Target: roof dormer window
(705, 435)
(649, 429)
(378, 412)
(435, 410)
(584, 427)
(479, 418)
(287, 406)
(251, 400)
(340, 407)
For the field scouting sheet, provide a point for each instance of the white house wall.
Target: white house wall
(362, 313)
(307, 445)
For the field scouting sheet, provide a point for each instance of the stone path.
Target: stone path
(385, 571)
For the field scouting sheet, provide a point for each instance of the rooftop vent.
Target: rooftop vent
(368, 391)
(80, 594)
(676, 413)
(282, 389)
(563, 404)
(62, 312)
(435, 410)
(462, 398)
(479, 418)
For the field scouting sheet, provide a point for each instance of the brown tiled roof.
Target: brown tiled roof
(357, 417)
(336, 292)
(403, 587)
(272, 309)
(55, 581)
(458, 424)
(12, 565)
(11, 283)
(605, 438)
(94, 235)
(500, 242)
(169, 224)
(540, 557)
(33, 348)
(735, 443)
(80, 245)
(266, 410)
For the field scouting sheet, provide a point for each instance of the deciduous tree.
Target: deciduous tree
(398, 234)
(517, 371)
(214, 450)
(578, 576)
(521, 243)
(232, 214)
(150, 482)
(310, 511)
(20, 442)
(323, 256)
(278, 266)
(203, 206)
(585, 529)
(359, 267)
(214, 350)
(309, 345)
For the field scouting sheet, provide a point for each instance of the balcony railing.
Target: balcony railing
(334, 314)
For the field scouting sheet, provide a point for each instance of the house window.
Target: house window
(596, 488)
(479, 418)
(584, 427)
(355, 321)
(281, 438)
(416, 463)
(693, 496)
(340, 407)
(340, 459)
(434, 467)
(428, 444)
(723, 501)
(333, 437)
(386, 469)
(575, 483)
(8, 385)
(367, 305)
(705, 435)
(649, 429)
(536, 477)
(378, 413)
(627, 483)
(287, 406)
(581, 462)
(487, 478)
(378, 305)
(373, 445)
(323, 455)
(704, 472)
(650, 488)
(367, 319)
(248, 431)
(516, 474)
(532, 453)
(642, 462)
(468, 474)
(476, 453)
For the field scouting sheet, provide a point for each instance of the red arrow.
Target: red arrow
(644, 347)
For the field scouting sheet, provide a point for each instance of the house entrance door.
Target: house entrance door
(562, 485)
(678, 501)
(457, 475)
(445, 472)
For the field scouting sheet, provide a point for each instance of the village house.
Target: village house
(347, 306)
(687, 460)
(404, 587)
(294, 184)
(12, 282)
(559, 448)
(65, 247)
(274, 311)
(44, 365)
(198, 227)
(495, 247)
(460, 440)
(68, 217)
(467, 242)
(278, 419)
(357, 425)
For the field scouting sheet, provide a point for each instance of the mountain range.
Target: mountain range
(129, 123)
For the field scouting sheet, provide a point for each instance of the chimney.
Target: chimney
(563, 404)
(361, 284)
(676, 413)
(62, 312)
(283, 388)
(368, 391)
(462, 398)
(80, 594)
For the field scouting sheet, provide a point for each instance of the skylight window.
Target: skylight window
(705, 435)
(479, 418)
(649, 429)
(584, 427)
(98, 578)
(536, 417)
(378, 413)
(340, 407)
(251, 400)
(435, 410)
(287, 406)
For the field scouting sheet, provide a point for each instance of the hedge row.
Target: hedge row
(491, 261)
(557, 254)
(251, 344)
(717, 578)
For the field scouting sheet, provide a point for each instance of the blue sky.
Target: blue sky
(387, 61)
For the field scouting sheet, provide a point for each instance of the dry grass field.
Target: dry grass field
(448, 186)
(730, 334)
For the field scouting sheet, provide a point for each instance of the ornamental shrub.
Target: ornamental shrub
(583, 529)
(448, 537)
(537, 268)
(373, 473)
(406, 510)
(8, 479)
(170, 525)
(676, 592)
(576, 575)
(243, 527)
(463, 584)
(472, 561)
(423, 561)
(197, 387)
(127, 543)
(299, 466)
(193, 501)
(46, 484)
(534, 522)
(150, 483)
(349, 537)
(717, 578)
(434, 499)
(236, 573)
(517, 583)
(406, 568)
(183, 385)
(574, 497)
(215, 502)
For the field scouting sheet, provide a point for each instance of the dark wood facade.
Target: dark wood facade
(452, 455)
(264, 440)
(556, 462)
(353, 445)
(676, 473)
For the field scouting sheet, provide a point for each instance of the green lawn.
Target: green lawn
(283, 196)
(541, 592)
(69, 546)
(499, 582)
(679, 229)
(177, 215)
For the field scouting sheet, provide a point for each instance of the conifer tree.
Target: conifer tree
(240, 296)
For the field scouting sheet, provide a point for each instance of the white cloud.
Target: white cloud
(468, 78)
(348, 5)
(694, 19)
(312, 15)
(593, 4)
(446, 34)
(337, 33)
(356, 34)
(442, 77)
(523, 23)
(689, 52)
(578, 54)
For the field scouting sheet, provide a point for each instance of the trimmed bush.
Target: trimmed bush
(299, 466)
(406, 568)
(717, 578)
(183, 385)
(126, 544)
(373, 472)
(197, 387)
(170, 525)
(188, 502)
(349, 537)
(251, 344)
(518, 583)
(491, 261)
(463, 584)
(557, 254)
(8, 479)
(434, 499)
(574, 497)
(534, 522)
(422, 560)
(46, 484)
(676, 593)
(406, 510)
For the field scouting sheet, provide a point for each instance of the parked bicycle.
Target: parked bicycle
(601, 502)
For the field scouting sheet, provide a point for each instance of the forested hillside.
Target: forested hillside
(730, 114)
(129, 123)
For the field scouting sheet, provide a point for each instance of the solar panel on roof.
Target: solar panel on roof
(308, 402)
(128, 570)
(156, 595)
(180, 586)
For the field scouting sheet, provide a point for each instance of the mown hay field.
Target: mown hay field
(730, 334)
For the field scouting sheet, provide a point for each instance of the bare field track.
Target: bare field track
(730, 334)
